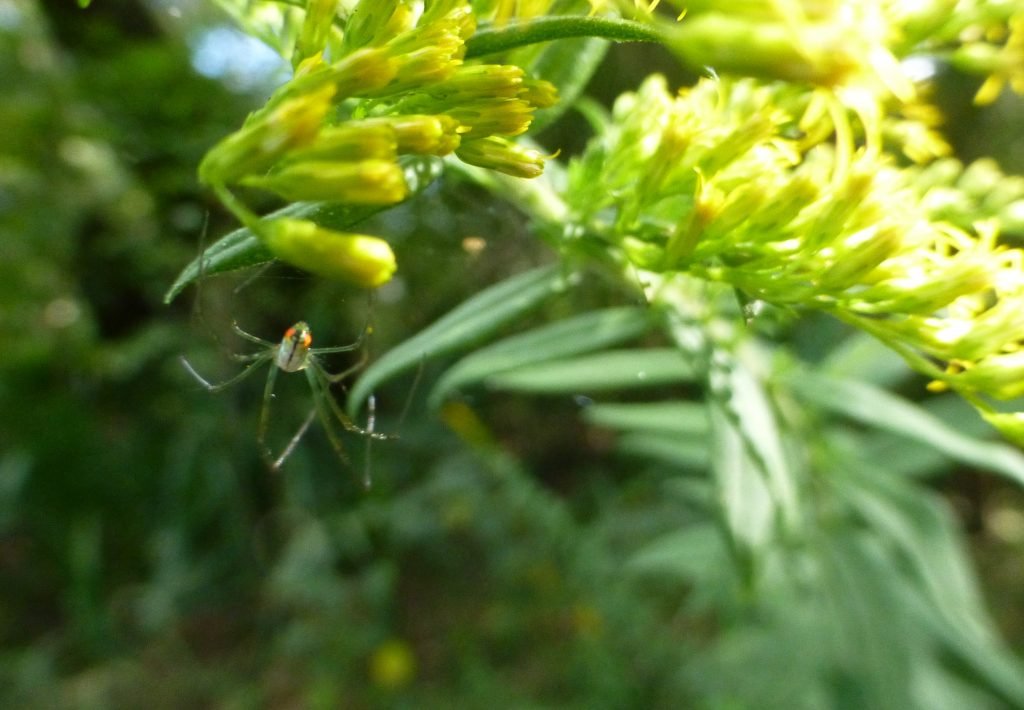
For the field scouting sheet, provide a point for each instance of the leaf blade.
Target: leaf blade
(601, 372)
(572, 336)
(468, 323)
(878, 408)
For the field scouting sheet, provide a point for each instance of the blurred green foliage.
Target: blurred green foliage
(532, 558)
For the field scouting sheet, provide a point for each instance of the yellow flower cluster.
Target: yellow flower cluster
(997, 52)
(335, 132)
(764, 188)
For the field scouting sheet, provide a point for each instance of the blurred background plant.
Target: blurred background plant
(634, 489)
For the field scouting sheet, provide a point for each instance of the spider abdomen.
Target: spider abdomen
(293, 352)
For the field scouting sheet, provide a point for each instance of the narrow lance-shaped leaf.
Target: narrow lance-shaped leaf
(584, 333)
(468, 324)
(676, 418)
(599, 372)
(878, 408)
(683, 454)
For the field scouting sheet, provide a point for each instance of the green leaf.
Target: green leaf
(612, 370)
(746, 503)
(694, 554)
(898, 619)
(878, 408)
(912, 458)
(864, 357)
(584, 333)
(683, 418)
(758, 482)
(241, 248)
(468, 324)
(681, 453)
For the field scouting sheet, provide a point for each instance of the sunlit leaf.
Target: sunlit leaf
(682, 453)
(866, 358)
(693, 553)
(466, 325)
(581, 334)
(878, 408)
(686, 418)
(601, 372)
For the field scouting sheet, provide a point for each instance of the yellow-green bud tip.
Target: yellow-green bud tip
(358, 258)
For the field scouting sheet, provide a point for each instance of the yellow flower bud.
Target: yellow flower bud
(360, 259)
(539, 93)
(360, 73)
(367, 182)
(351, 141)
(266, 136)
(421, 134)
(1001, 376)
(316, 28)
(506, 117)
(503, 156)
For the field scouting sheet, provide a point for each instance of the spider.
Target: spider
(292, 354)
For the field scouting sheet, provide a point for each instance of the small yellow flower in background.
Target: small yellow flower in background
(502, 11)
(392, 665)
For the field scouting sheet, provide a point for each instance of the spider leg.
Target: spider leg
(261, 431)
(250, 337)
(316, 373)
(248, 358)
(279, 461)
(358, 343)
(371, 421)
(339, 349)
(320, 397)
(335, 378)
(249, 369)
(412, 392)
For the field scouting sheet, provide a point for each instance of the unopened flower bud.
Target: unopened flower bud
(421, 134)
(351, 141)
(266, 136)
(367, 182)
(316, 28)
(360, 259)
(503, 156)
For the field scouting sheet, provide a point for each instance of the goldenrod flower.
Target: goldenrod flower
(1003, 65)
(708, 183)
(831, 44)
(397, 85)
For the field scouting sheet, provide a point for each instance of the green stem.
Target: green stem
(545, 29)
(237, 208)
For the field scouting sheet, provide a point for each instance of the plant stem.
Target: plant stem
(545, 29)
